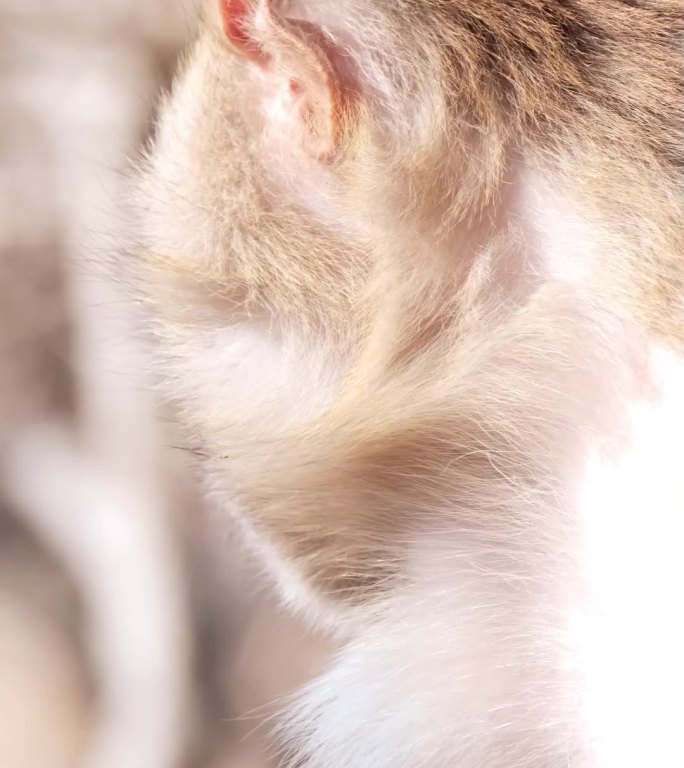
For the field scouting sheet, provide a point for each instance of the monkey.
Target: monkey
(414, 273)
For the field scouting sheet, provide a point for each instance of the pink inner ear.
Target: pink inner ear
(233, 15)
(294, 50)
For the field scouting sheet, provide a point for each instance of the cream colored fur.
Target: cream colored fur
(432, 374)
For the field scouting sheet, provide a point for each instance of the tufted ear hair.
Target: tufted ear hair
(296, 53)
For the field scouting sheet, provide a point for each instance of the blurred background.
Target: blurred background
(134, 633)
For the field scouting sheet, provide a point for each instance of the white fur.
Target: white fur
(632, 636)
(511, 640)
(460, 669)
(510, 655)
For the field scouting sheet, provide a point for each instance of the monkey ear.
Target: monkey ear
(293, 52)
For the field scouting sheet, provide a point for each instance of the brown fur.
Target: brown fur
(590, 90)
